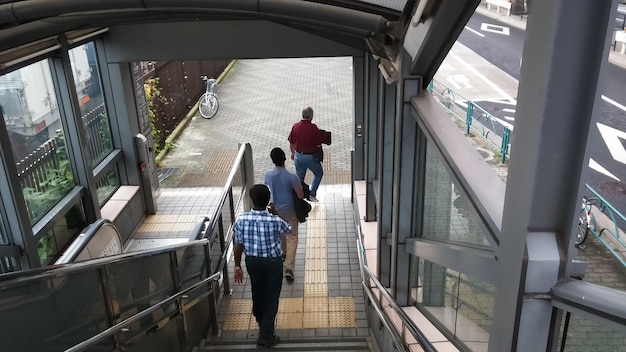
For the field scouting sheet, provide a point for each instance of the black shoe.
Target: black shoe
(289, 275)
(267, 343)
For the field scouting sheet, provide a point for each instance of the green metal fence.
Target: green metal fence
(476, 119)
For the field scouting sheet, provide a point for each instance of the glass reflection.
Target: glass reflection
(33, 120)
(461, 303)
(589, 336)
(108, 184)
(448, 214)
(92, 107)
(52, 243)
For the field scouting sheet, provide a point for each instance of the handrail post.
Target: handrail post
(504, 148)
(468, 116)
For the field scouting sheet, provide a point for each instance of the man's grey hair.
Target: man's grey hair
(307, 113)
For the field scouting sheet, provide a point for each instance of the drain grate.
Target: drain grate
(613, 188)
(167, 172)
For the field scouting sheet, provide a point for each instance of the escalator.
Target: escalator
(93, 298)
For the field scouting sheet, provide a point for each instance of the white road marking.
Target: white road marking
(510, 118)
(195, 153)
(595, 166)
(613, 102)
(612, 138)
(508, 110)
(459, 81)
(475, 31)
(486, 27)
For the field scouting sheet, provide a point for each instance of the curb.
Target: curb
(183, 124)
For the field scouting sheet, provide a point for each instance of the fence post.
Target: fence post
(504, 148)
(468, 116)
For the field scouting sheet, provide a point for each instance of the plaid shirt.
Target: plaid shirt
(259, 232)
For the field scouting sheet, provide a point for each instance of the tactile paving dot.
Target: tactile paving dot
(316, 290)
(342, 319)
(290, 305)
(240, 306)
(237, 322)
(341, 304)
(289, 320)
(315, 320)
(315, 304)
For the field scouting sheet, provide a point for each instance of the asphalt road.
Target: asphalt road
(502, 46)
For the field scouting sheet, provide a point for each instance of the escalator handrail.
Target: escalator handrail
(137, 317)
(83, 240)
(11, 279)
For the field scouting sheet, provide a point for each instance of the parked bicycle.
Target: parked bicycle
(584, 223)
(208, 104)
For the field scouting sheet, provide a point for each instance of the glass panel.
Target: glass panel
(136, 285)
(585, 335)
(461, 303)
(91, 102)
(108, 184)
(191, 266)
(52, 243)
(33, 121)
(448, 215)
(53, 314)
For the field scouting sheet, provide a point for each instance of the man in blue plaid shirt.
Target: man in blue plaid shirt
(258, 235)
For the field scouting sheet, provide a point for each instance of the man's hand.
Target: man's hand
(292, 155)
(272, 208)
(238, 275)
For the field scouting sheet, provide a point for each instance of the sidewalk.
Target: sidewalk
(615, 57)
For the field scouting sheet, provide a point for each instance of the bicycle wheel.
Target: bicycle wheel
(208, 105)
(583, 231)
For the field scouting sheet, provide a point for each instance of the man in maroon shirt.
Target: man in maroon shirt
(305, 140)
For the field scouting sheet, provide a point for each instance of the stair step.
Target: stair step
(346, 344)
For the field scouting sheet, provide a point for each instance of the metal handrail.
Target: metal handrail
(225, 192)
(606, 208)
(137, 317)
(398, 340)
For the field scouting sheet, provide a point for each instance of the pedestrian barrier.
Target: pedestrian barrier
(505, 4)
(612, 228)
(475, 119)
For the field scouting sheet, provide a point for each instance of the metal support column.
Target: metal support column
(359, 69)
(371, 131)
(558, 92)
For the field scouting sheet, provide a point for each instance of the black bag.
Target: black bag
(319, 154)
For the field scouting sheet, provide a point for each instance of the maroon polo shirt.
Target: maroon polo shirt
(305, 136)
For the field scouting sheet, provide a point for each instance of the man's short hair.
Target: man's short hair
(278, 156)
(260, 195)
(307, 113)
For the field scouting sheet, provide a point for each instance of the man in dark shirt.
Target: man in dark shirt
(305, 139)
(258, 234)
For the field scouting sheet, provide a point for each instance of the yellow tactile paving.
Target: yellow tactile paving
(167, 227)
(316, 290)
(158, 219)
(238, 321)
(240, 306)
(316, 265)
(290, 305)
(342, 319)
(315, 277)
(341, 304)
(315, 304)
(313, 311)
(289, 320)
(316, 320)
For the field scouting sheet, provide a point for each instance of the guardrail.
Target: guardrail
(493, 130)
(613, 229)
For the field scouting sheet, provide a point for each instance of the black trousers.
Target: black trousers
(266, 279)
